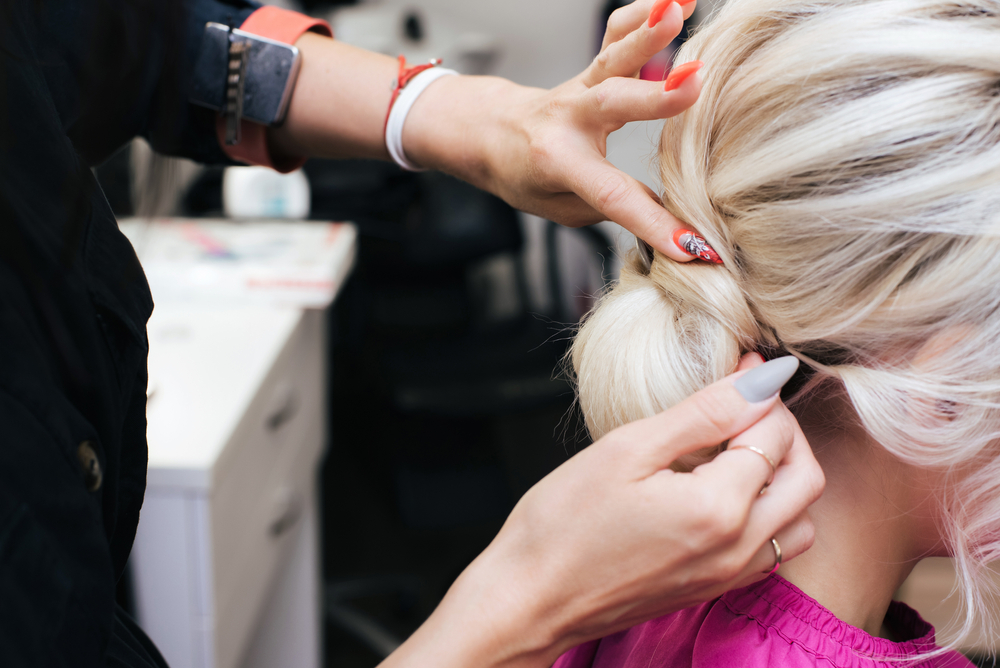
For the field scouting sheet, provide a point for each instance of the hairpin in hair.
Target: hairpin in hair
(645, 254)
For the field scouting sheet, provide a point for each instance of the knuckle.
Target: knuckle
(730, 566)
(543, 157)
(785, 435)
(601, 61)
(601, 98)
(611, 191)
(815, 483)
(807, 534)
(701, 516)
(617, 22)
(710, 410)
(539, 151)
(720, 520)
(730, 523)
(648, 48)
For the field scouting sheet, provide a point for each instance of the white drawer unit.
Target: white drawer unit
(226, 556)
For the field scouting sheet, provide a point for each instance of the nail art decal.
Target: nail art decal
(692, 244)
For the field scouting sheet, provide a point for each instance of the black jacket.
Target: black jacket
(78, 79)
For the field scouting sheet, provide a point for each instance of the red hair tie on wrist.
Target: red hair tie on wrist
(403, 78)
(409, 85)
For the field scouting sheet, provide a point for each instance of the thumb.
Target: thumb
(713, 415)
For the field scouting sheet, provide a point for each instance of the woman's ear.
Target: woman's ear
(937, 347)
(749, 361)
(930, 357)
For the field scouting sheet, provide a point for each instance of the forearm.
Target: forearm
(612, 538)
(543, 151)
(483, 622)
(340, 102)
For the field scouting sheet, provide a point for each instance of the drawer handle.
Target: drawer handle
(288, 510)
(287, 407)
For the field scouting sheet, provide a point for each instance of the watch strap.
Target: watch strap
(281, 25)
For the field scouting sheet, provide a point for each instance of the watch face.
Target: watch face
(268, 79)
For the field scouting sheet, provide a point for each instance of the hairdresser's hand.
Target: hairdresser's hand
(544, 150)
(613, 537)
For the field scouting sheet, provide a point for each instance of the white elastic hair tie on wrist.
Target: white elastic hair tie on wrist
(397, 115)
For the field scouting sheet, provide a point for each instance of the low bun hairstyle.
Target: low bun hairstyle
(657, 338)
(844, 161)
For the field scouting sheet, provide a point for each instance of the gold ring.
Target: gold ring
(770, 462)
(777, 555)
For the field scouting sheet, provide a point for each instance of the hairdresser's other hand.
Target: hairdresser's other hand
(613, 538)
(544, 150)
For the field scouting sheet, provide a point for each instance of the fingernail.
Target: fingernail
(764, 381)
(658, 10)
(695, 245)
(679, 74)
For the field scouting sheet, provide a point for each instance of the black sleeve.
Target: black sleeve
(122, 68)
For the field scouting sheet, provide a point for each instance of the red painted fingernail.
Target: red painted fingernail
(696, 246)
(679, 74)
(658, 10)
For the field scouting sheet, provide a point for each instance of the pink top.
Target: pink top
(770, 623)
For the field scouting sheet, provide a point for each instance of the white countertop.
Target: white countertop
(270, 262)
(228, 295)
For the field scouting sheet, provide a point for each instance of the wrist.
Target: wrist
(456, 126)
(501, 590)
(486, 620)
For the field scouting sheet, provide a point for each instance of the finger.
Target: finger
(618, 101)
(622, 199)
(745, 467)
(625, 20)
(797, 484)
(793, 540)
(711, 416)
(626, 57)
(564, 208)
(638, 14)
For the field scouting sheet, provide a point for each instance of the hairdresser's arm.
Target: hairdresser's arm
(613, 538)
(541, 150)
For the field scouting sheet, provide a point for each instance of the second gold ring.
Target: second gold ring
(770, 462)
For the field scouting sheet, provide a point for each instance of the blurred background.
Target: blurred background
(446, 394)
(446, 397)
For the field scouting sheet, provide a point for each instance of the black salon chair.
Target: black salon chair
(436, 349)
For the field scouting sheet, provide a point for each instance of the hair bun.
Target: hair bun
(656, 338)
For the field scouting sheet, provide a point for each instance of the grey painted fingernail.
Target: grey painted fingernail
(760, 383)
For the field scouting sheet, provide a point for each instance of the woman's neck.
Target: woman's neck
(873, 523)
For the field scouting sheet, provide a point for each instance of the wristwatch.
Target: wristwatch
(244, 76)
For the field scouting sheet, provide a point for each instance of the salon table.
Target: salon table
(225, 565)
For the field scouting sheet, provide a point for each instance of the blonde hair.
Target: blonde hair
(843, 160)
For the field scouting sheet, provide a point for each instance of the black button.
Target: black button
(91, 467)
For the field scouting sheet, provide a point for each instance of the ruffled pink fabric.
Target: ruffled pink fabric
(770, 623)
